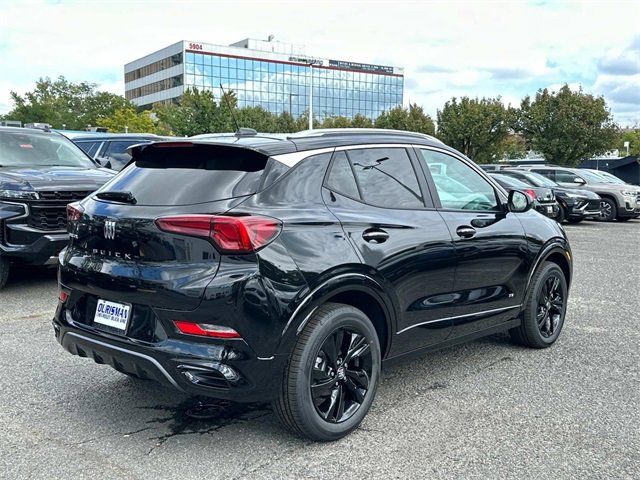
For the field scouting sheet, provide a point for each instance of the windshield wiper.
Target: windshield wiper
(123, 197)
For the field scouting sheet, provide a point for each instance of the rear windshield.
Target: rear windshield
(190, 175)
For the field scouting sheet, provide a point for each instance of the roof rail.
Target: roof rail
(327, 132)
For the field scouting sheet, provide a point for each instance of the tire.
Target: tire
(4, 272)
(608, 210)
(531, 332)
(562, 215)
(574, 220)
(318, 415)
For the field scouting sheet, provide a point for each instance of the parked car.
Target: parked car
(575, 205)
(542, 198)
(621, 202)
(288, 270)
(40, 173)
(111, 149)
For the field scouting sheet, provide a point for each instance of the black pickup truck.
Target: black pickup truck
(40, 173)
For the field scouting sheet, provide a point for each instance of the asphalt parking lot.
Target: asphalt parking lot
(483, 410)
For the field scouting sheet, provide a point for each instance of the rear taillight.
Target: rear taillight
(205, 329)
(530, 193)
(74, 212)
(244, 234)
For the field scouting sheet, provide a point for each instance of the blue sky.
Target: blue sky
(453, 48)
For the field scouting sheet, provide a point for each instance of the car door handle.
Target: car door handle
(375, 236)
(466, 231)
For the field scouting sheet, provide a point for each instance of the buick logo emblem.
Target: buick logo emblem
(110, 229)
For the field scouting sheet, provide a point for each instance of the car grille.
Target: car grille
(49, 212)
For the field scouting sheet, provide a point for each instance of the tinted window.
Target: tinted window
(38, 150)
(386, 177)
(545, 173)
(341, 177)
(117, 152)
(510, 182)
(459, 186)
(565, 176)
(90, 148)
(190, 175)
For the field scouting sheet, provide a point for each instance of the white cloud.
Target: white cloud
(474, 48)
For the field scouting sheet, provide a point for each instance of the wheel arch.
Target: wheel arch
(355, 289)
(558, 253)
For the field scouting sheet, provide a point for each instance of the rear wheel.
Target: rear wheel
(607, 210)
(562, 215)
(332, 377)
(544, 308)
(4, 272)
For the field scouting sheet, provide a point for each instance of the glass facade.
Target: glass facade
(283, 87)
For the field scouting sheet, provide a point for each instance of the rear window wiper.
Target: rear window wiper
(123, 197)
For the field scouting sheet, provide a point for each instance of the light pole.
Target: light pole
(312, 62)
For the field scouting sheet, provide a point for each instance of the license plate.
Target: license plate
(111, 314)
(549, 209)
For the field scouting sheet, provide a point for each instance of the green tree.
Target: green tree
(566, 126)
(197, 113)
(632, 136)
(335, 122)
(64, 103)
(412, 119)
(478, 128)
(128, 120)
(360, 121)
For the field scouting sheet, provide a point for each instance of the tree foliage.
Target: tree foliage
(566, 126)
(478, 128)
(633, 137)
(413, 119)
(126, 119)
(64, 103)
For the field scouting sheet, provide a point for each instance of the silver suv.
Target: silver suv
(619, 201)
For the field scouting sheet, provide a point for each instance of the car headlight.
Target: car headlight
(18, 195)
(628, 193)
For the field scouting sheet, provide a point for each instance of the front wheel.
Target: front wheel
(332, 377)
(607, 210)
(544, 309)
(4, 272)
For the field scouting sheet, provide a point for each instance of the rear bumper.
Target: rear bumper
(227, 370)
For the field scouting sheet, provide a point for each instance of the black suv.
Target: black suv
(257, 268)
(40, 173)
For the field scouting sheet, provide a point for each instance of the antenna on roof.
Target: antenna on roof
(226, 100)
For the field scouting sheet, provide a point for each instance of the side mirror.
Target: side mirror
(579, 181)
(519, 201)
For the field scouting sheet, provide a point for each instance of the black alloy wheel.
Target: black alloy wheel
(607, 210)
(332, 376)
(544, 309)
(550, 306)
(340, 375)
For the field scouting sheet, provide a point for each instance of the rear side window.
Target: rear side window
(545, 173)
(341, 177)
(186, 175)
(386, 177)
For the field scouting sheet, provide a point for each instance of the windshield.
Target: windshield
(540, 180)
(25, 149)
(609, 178)
(592, 177)
(510, 181)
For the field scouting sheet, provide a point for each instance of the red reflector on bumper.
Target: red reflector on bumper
(205, 330)
(63, 296)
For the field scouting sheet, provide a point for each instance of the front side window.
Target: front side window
(458, 185)
(386, 177)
